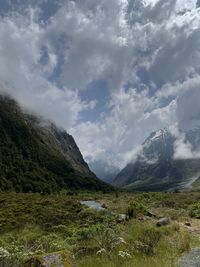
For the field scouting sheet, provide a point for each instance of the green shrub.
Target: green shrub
(195, 211)
(107, 239)
(135, 209)
(85, 234)
(148, 241)
(184, 242)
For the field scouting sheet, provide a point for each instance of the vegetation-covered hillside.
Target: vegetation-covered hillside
(35, 157)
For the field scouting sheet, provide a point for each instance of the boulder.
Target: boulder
(122, 218)
(163, 222)
(57, 259)
(104, 206)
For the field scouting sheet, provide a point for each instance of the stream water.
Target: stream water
(92, 204)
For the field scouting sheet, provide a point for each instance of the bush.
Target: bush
(135, 209)
(85, 234)
(195, 211)
(184, 242)
(107, 239)
(148, 241)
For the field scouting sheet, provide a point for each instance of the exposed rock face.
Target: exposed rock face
(156, 169)
(37, 156)
(61, 141)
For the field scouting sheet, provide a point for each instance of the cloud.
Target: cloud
(146, 52)
(94, 37)
(24, 76)
(188, 109)
(117, 138)
(183, 149)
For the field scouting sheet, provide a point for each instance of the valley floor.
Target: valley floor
(34, 224)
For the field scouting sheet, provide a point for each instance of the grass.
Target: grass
(34, 224)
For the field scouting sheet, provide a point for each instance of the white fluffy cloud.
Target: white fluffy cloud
(184, 150)
(22, 75)
(147, 52)
(117, 138)
(188, 105)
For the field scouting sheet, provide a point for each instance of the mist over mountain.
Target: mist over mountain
(99, 133)
(36, 156)
(104, 171)
(159, 168)
(108, 72)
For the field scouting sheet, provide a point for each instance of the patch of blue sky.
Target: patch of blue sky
(48, 7)
(153, 83)
(44, 59)
(5, 6)
(96, 91)
(62, 43)
(166, 101)
(144, 82)
(147, 83)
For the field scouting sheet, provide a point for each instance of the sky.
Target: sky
(109, 72)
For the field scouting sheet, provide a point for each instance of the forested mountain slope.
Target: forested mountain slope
(37, 156)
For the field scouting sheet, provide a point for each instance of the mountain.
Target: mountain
(37, 156)
(103, 170)
(156, 169)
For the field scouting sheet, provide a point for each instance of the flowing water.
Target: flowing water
(92, 204)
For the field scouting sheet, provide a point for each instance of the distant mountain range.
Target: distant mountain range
(156, 169)
(37, 156)
(103, 170)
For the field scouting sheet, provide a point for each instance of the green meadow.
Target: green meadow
(35, 224)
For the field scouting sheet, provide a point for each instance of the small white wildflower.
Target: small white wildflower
(124, 254)
(121, 240)
(101, 251)
(4, 253)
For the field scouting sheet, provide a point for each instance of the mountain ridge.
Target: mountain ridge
(155, 168)
(37, 156)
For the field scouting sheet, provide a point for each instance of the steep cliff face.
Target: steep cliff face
(61, 141)
(37, 156)
(156, 169)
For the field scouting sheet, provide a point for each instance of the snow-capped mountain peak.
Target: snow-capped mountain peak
(157, 169)
(159, 143)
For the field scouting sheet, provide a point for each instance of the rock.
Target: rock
(57, 259)
(122, 218)
(163, 222)
(104, 206)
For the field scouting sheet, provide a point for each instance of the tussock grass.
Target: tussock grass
(34, 224)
